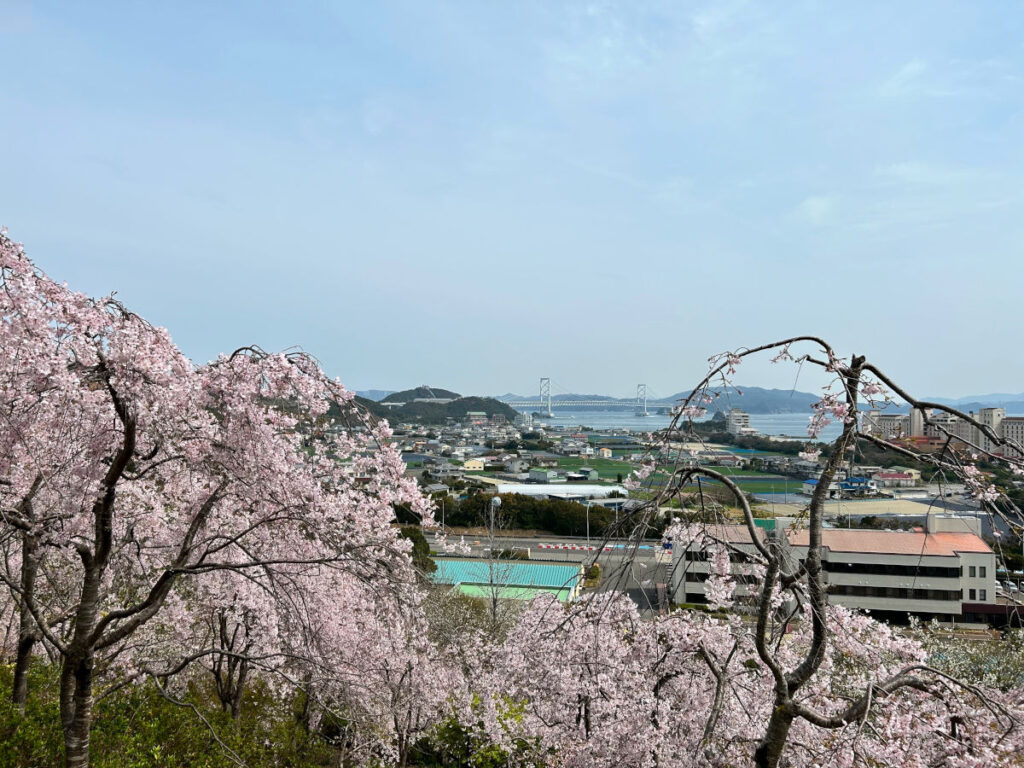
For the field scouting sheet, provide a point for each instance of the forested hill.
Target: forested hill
(424, 392)
(437, 413)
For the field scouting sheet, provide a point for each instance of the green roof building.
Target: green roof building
(514, 579)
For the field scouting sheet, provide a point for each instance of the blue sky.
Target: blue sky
(474, 195)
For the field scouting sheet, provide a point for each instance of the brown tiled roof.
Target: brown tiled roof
(894, 542)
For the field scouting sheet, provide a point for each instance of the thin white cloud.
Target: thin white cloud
(905, 80)
(817, 210)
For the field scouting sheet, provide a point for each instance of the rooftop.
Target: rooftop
(894, 542)
(542, 489)
(506, 573)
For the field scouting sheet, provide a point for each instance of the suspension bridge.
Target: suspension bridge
(545, 403)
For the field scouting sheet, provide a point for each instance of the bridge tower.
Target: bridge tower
(641, 400)
(545, 394)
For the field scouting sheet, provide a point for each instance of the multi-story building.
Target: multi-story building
(915, 423)
(894, 479)
(941, 426)
(1012, 428)
(945, 571)
(991, 418)
(886, 425)
(737, 421)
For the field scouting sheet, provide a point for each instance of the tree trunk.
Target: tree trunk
(19, 692)
(76, 709)
(769, 751)
(76, 675)
(27, 632)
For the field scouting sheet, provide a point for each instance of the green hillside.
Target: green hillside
(436, 413)
(408, 395)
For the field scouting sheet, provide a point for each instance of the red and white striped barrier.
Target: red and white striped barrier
(580, 548)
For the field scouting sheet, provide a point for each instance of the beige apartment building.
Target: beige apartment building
(941, 425)
(1013, 429)
(946, 572)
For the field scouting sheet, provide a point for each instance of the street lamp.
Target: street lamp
(588, 523)
(495, 503)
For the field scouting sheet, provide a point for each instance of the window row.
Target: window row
(694, 577)
(889, 569)
(895, 592)
(701, 556)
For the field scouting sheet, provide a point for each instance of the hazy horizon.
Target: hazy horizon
(476, 196)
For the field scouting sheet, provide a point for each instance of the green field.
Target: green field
(741, 471)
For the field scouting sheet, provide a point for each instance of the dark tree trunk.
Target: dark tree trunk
(230, 671)
(76, 709)
(76, 675)
(230, 686)
(27, 630)
(769, 751)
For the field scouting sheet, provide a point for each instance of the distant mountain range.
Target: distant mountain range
(996, 400)
(753, 399)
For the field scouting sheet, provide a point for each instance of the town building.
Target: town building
(509, 579)
(888, 426)
(574, 492)
(1012, 428)
(858, 486)
(939, 426)
(516, 466)
(737, 422)
(539, 475)
(445, 471)
(811, 485)
(945, 571)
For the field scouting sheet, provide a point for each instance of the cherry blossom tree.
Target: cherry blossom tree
(853, 381)
(784, 678)
(128, 474)
(236, 519)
